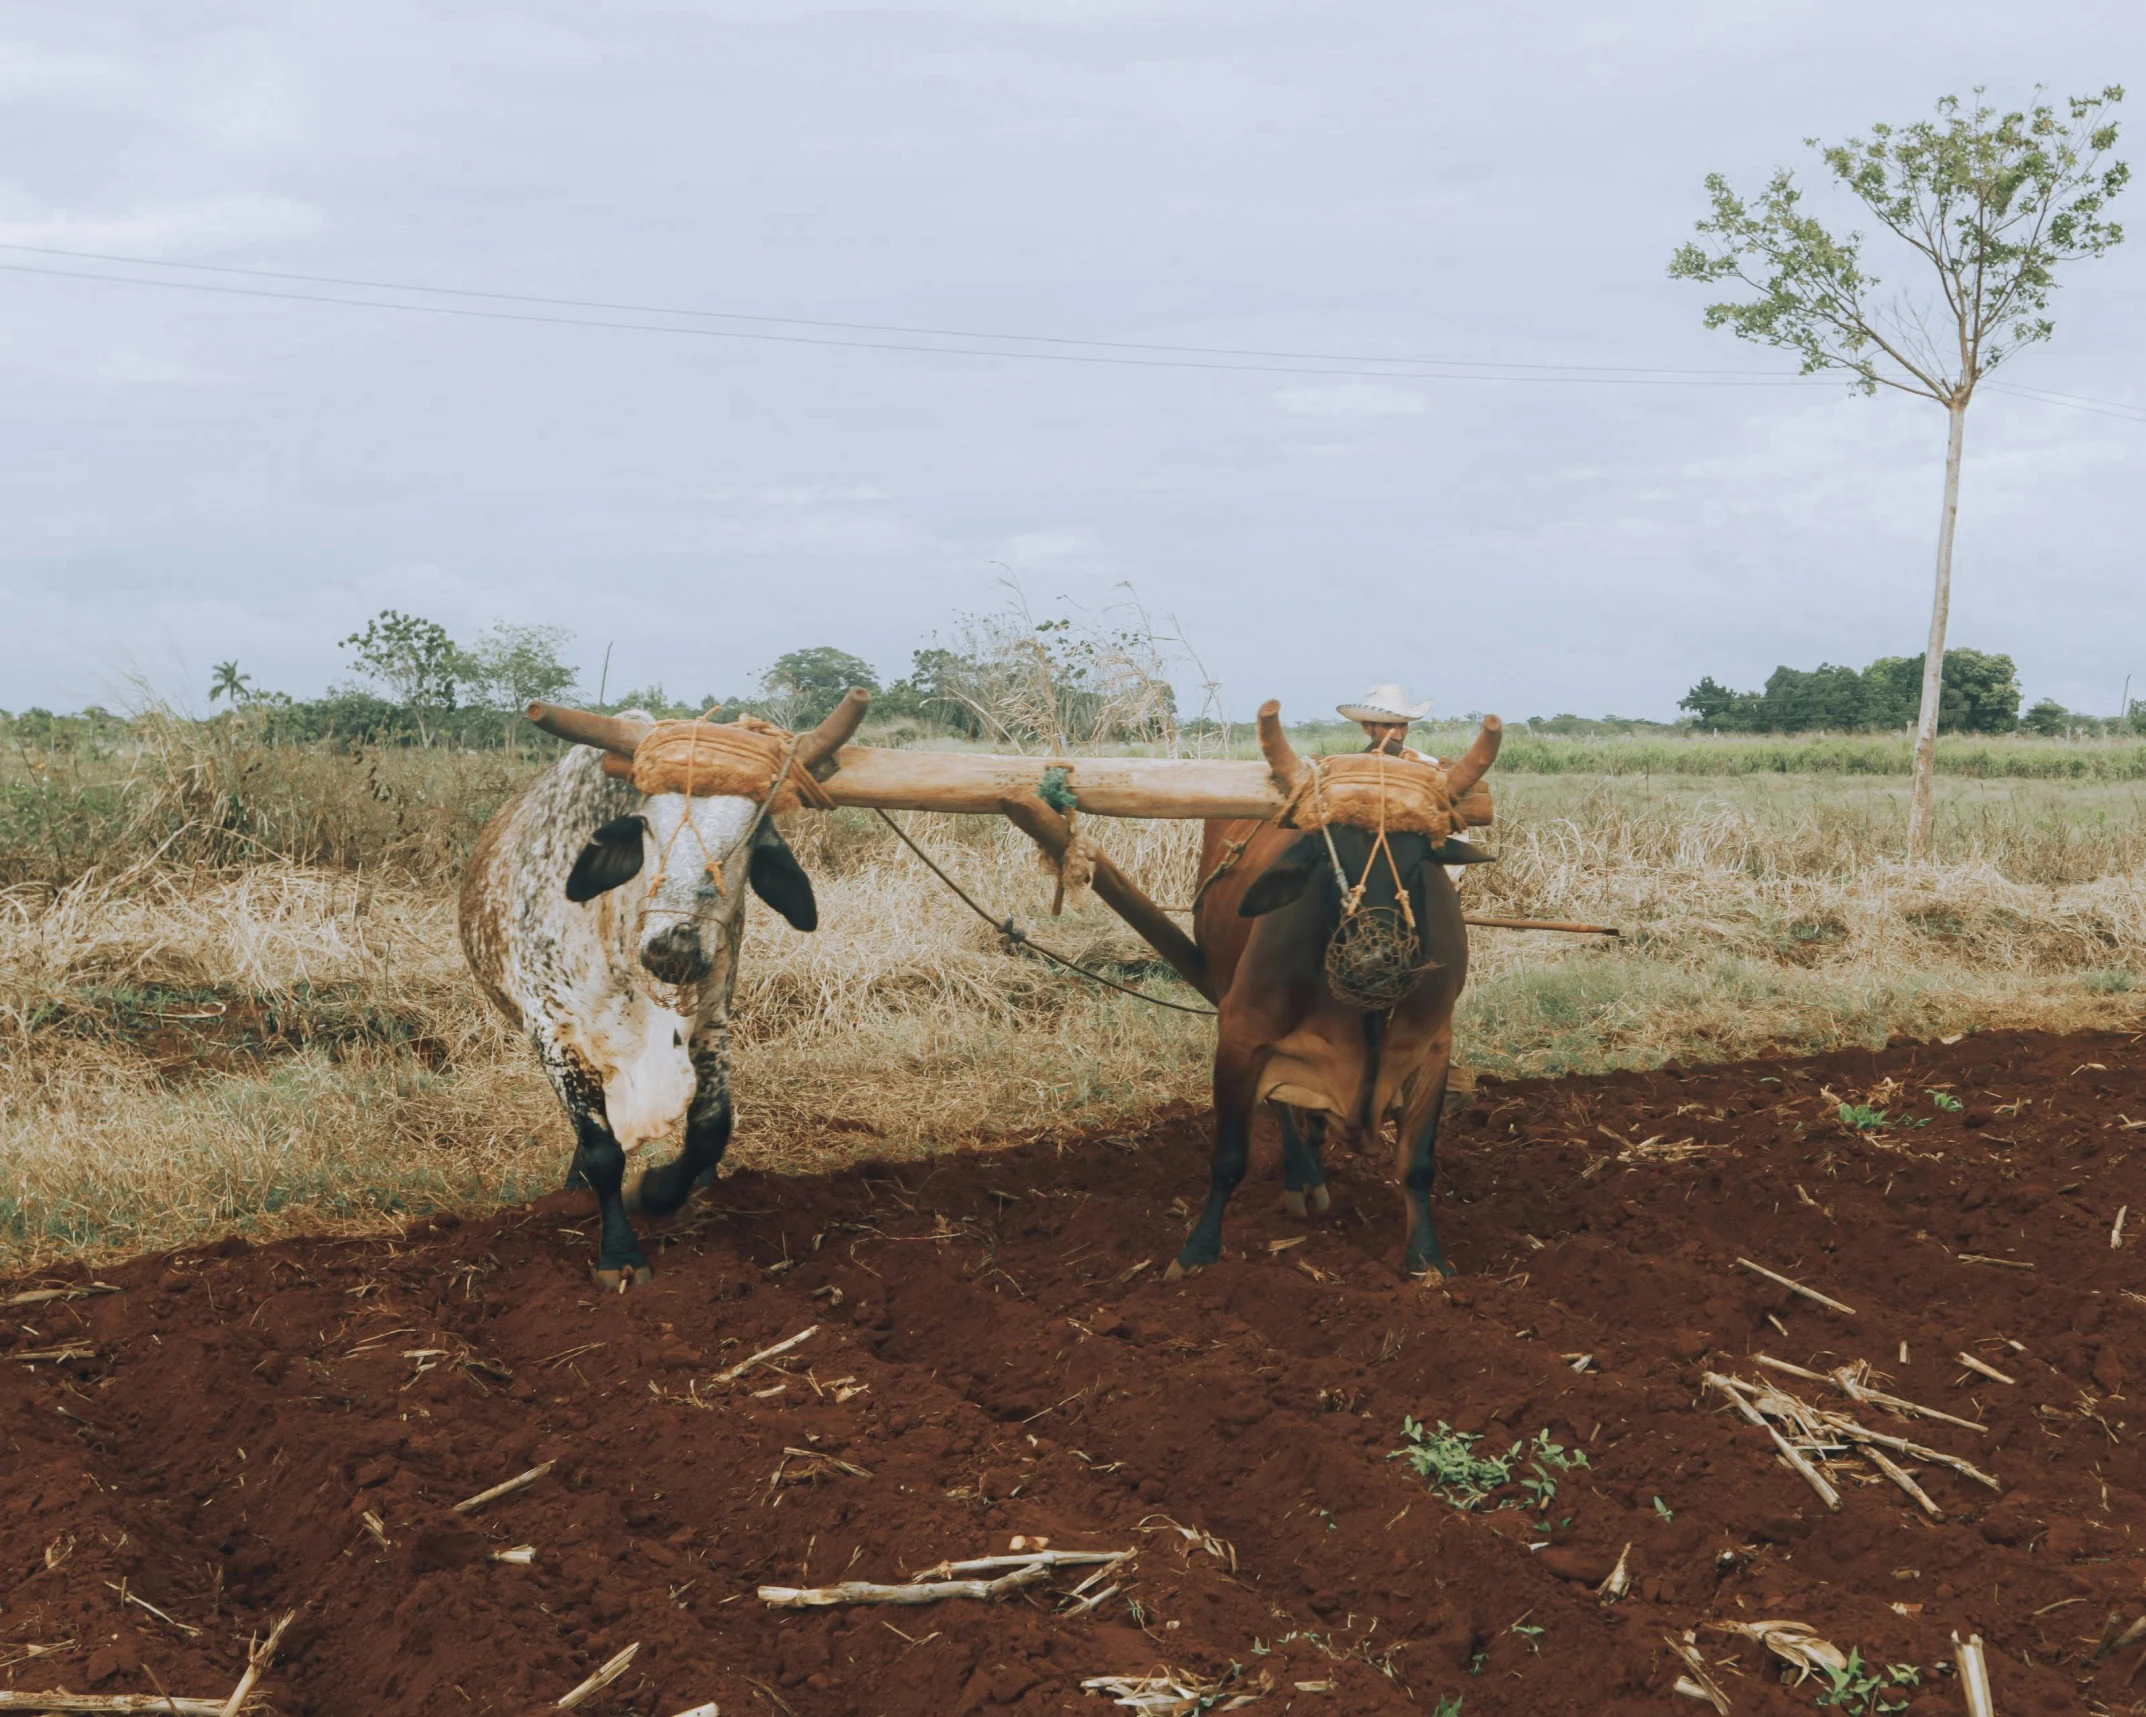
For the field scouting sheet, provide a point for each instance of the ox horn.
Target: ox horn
(584, 727)
(1476, 762)
(1282, 762)
(815, 752)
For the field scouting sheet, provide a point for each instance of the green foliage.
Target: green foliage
(1946, 1101)
(1055, 790)
(1980, 695)
(513, 664)
(231, 685)
(1992, 202)
(2115, 983)
(805, 685)
(1861, 1118)
(1664, 1510)
(1860, 1689)
(1447, 1706)
(415, 659)
(1448, 1461)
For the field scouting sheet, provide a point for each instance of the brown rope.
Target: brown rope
(1016, 937)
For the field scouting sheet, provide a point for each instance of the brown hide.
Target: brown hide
(1283, 1036)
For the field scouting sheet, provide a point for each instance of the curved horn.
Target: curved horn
(1282, 762)
(583, 727)
(1477, 760)
(819, 746)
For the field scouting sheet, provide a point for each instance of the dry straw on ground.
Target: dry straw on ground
(235, 1031)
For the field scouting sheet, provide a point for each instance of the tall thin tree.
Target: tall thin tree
(1993, 203)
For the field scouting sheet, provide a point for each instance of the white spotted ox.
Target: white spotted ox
(599, 919)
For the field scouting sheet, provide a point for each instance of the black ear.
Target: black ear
(1452, 851)
(612, 856)
(1282, 881)
(781, 881)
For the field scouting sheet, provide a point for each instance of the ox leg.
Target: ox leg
(662, 1190)
(1419, 1166)
(601, 1161)
(599, 1164)
(1304, 1193)
(1233, 1140)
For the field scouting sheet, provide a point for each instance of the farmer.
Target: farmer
(1384, 714)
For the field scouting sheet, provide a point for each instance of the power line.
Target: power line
(858, 327)
(2099, 407)
(1106, 352)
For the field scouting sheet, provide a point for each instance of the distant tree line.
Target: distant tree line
(1981, 695)
(414, 684)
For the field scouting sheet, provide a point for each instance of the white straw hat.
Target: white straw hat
(1385, 703)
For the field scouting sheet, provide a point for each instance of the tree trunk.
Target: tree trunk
(1922, 809)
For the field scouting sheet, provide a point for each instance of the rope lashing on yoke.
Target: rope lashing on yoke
(734, 753)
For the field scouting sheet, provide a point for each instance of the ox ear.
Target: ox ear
(612, 856)
(781, 881)
(1283, 881)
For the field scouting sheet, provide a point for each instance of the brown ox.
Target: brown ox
(1260, 934)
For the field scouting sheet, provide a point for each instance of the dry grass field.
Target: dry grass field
(231, 993)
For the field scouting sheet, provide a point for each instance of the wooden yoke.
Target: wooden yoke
(1114, 888)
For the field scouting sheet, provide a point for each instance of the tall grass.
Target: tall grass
(250, 1012)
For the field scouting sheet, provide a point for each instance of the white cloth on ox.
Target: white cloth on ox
(647, 1070)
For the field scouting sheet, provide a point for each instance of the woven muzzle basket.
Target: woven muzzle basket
(1374, 960)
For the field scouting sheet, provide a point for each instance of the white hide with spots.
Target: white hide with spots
(571, 974)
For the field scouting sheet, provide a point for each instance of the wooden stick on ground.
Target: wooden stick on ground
(111, 1702)
(470, 1504)
(602, 1679)
(1900, 1476)
(1545, 924)
(1696, 1684)
(38, 1297)
(1796, 1287)
(920, 1592)
(257, 1662)
(1855, 1433)
(1974, 1675)
(766, 1353)
(1989, 1371)
(1845, 1380)
(1019, 1559)
(1787, 1450)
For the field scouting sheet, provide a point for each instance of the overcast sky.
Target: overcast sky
(188, 476)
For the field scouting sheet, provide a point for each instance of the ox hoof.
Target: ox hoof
(1178, 1270)
(1321, 1200)
(1293, 1204)
(1430, 1272)
(618, 1281)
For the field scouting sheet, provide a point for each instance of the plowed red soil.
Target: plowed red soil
(1015, 1365)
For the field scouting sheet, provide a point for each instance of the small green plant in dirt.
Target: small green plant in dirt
(1946, 1101)
(1447, 1706)
(1862, 1118)
(1865, 1690)
(1448, 1460)
(1664, 1510)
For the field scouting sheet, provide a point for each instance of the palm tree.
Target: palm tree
(231, 685)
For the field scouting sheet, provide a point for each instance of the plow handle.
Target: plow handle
(1114, 888)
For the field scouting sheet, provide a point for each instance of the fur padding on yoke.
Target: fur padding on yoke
(1367, 791)
(731, 759)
